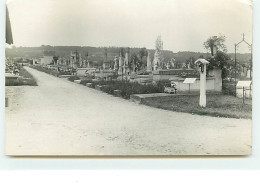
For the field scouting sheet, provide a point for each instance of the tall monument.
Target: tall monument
(116, 63)
(126, 62)
(75, 58)
(158, 55)
(149, 62)
(105, 61)
(121, 63)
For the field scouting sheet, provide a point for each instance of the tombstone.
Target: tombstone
(202, 67)
(116, 63)
(173, 63)
(105, 62)
(158, 55)
(126, 64)
(149, 62)
(248, 73)
(168, 65)
(188, 65)
(134, 66)
(121, 62)
(155, 64)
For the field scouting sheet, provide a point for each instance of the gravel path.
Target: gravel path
(59, 117)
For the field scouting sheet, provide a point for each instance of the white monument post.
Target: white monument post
(148, 62)
(202, 64)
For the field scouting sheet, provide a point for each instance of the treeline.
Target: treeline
(97, 53)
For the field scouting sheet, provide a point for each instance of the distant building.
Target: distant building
(47, 57)
(36, 61)
(46, 60)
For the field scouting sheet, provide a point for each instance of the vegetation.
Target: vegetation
(25, 78)
(217, 105)
(229, 87)
(215, 43)
(96, 54)
(72, 78)
(127, 88)
(219, 61)
(142, 53)
(46, 70)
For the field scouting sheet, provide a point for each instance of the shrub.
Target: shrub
(229, 88)
(72, 78)
(128, 88)
(160, 84)
(84, 82)
(46, 70)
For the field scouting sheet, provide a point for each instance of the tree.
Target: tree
(122, 52)
(190, 61)
(215, 43)
(219, 58)
(142, 53)
(219, 61)
(136, 62)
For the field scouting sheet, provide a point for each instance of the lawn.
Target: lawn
(217, 105)
(27, 78)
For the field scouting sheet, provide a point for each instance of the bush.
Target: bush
(161, 84)
(64, 73)
(128, 88)
(229, 88)
(72, 78)
(46, 70)
(84, 82)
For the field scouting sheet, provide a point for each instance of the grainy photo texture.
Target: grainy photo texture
(128, 77)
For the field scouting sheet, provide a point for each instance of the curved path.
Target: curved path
(59, 117)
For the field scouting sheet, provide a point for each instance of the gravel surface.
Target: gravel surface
(59, 117)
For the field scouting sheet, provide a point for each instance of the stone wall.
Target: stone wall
(210, 85)
(217, 74)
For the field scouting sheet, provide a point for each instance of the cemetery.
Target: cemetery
(159, 82)
(128, 78)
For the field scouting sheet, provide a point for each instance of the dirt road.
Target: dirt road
(59, 117)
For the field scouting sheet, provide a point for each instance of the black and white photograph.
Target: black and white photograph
(128, 77)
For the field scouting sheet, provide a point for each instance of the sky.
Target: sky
(184, 25)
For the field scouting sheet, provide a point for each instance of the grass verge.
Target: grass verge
(217, 105)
